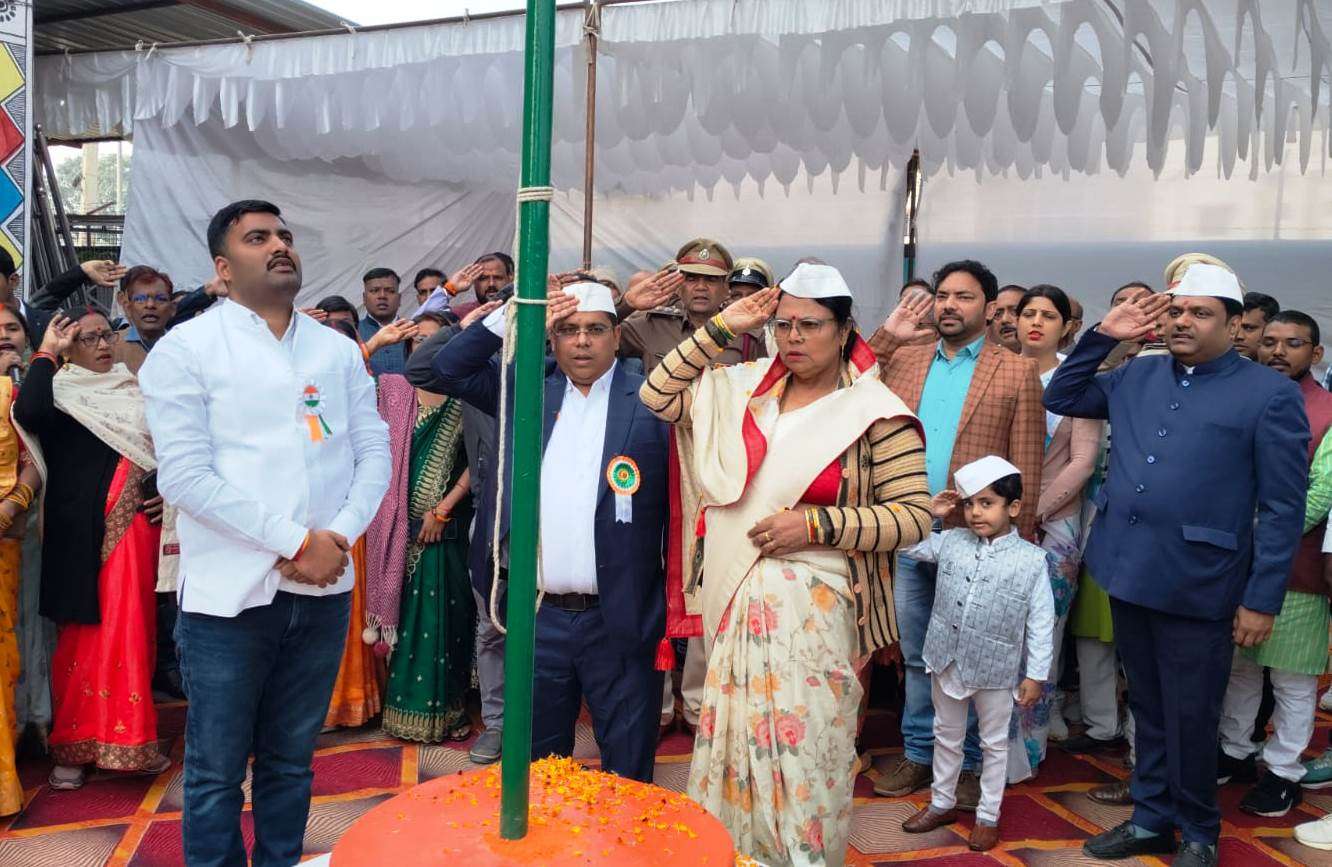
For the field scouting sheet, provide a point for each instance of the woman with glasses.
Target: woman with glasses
(811, 474)
(82, 416)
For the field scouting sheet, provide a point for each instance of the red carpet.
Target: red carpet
(122, 820)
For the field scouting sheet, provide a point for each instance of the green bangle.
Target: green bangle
(720, 324)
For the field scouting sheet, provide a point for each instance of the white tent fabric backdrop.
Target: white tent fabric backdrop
(780, 126)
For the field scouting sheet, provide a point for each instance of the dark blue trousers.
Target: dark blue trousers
(575, 659)
(1177, 669)
(259, 683)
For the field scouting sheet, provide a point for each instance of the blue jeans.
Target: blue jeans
(913, 597)
(258, 682)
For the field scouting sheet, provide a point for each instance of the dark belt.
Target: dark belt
(571, 601)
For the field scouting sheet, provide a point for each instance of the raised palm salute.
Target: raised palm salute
(1135, 319)
(907, 323)
(752, 312)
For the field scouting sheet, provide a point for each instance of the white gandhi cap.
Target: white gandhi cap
(979, 475)
(592, 298)
(815, 281)
(1202, 280)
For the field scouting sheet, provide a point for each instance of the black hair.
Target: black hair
(1012, 287)
(1053, 294)
(1297, 317)
(224, 219)
(1259, 301)
(380, 273)
(1009, 487)
(1135, 284)
(984, 276)
(7, 266)
(1233, 307)
(503, 258)
(345, 328)
(917, 282)
(428, 272)
(338, 304)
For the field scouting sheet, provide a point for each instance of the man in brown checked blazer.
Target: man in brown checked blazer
(974, 398)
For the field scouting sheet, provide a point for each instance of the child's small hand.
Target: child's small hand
(1028, 692)
(944, 503)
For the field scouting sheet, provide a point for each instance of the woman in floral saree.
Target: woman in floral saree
(811, 473)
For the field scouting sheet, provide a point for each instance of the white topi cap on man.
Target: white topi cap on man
(979, 475)
(815, 281)
(1208, 281)
(592, 298)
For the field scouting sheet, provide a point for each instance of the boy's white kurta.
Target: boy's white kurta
(989, 597)
(259, 440)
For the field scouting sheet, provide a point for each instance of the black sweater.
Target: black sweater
(79, 469)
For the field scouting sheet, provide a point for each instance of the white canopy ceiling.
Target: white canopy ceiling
(696, 92)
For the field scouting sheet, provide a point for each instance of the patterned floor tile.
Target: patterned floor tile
(328, 821)
(876, 829)
(360, 769)
(161, 843)
(87, 847)
(672, 775)
(437, 761)
(1100, 815)
(103, 796)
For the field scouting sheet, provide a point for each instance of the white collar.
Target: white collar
(602, 384)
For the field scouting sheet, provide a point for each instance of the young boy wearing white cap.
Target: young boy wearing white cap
(992, 598)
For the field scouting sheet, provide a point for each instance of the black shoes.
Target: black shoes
(1122, 843)
(1195, 855)
(1230, 770)
(1080, 745)
(1272, 797)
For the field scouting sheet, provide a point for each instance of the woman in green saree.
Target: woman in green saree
(430, 669)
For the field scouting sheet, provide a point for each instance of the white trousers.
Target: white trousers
(994, 709)
(695, 671)
(1098, 688)
(1292, 720)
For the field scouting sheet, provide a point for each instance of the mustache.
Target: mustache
(281, 258)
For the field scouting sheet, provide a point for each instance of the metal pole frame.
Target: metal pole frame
(529, 364)
(592, 34)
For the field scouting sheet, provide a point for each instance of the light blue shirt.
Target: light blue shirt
(941, 403)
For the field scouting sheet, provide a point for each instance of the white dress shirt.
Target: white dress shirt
(238, 459)
(571, 481)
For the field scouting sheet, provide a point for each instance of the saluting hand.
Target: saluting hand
(1134, 320)
(463, 279)
(1252, 628)
(559, 307)
(656, 291)
(59, 335)
(754, 311)
(478, 313)
(906, 324)
(103, 272)
(944, 502)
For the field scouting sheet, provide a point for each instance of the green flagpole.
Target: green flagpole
(529, 362)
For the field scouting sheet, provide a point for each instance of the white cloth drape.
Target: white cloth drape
(696, 92)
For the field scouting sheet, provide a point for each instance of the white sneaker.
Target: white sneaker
(1058, 728)
(1325, 703)
(1316, 835)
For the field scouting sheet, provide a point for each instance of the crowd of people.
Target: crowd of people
(299, 519)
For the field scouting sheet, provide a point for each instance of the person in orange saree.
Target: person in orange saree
(811, 473)
(84, 424)
(20, 481)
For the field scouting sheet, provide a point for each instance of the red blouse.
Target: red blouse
(823, 490)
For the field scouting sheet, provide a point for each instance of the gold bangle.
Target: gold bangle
(723, 327)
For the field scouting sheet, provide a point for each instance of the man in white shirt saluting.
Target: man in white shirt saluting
(270, 447)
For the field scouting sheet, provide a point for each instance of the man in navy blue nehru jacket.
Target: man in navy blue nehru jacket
(1196, 527)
